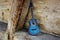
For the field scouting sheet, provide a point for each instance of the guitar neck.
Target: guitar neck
(31, 8)
(32, 13)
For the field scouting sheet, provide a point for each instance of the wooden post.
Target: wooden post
(13, 17)
(23, 14)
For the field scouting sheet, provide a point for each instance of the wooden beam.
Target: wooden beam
(23, 14)
(13, 17)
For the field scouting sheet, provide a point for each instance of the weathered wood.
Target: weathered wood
(3, 36)
(23, 14)
(13, 17)
(5, 6)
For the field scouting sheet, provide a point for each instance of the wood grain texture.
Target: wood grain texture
(5, 7)
(23, 14)
(13, 17)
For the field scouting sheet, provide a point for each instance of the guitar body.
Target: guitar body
(33, 28)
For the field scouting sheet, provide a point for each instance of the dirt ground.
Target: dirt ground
(26, 36)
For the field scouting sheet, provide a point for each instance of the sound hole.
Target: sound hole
(33, 23)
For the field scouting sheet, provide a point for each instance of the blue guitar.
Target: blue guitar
(33, 28)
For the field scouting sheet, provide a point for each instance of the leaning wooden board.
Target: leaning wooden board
(23, 14)
(13, 17)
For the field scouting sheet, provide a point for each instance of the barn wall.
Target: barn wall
(5, 7)
(47, 13)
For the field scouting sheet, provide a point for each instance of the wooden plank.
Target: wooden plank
(23, 14)
(3, 36)
(13, 17)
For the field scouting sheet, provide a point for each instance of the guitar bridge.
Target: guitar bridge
(33, 29)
